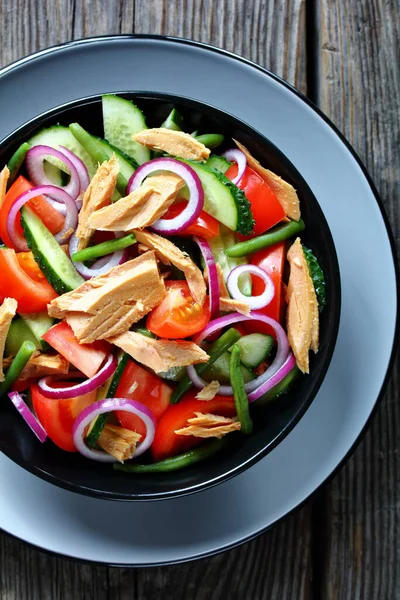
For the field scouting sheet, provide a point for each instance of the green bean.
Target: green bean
(220, 346)
(278, 234)
(15, 162)
(144, 331)
(239, 393)
(104, 248)
(176, 462)
(211, 140)
(17, 366)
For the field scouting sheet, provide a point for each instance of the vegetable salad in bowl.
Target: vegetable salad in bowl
(153, 289)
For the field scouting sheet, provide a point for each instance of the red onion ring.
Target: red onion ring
(78, 389)
(274, 380)
(28, 416)
(80, 167)
(35, 167)
(239, 158)
(217, 324)
(213, 283)
(55, 192)
(192, 180)
(109, 405)
(101, 266)
(255, 302)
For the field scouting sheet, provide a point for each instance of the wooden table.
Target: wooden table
(343, 543)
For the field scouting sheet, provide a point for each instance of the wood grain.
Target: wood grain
(276, 566)
(359, 88)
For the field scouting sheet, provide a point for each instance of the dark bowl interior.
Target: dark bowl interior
(273, 422)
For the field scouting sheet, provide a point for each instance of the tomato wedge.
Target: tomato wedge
(47, 214)
(166, 442)
(265, 206)
(205, 225)
(87, 358)
(58, 416)
(178, 316)
(29, 265)
(32, 296)
(138, 384)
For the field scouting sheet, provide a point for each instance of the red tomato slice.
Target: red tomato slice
(265, 206)
(272, 261)
(29, 265)
(47, 214)
(58, 416)
(87, 358)
(32, 296)
(138, 384)
(178, 316)
(166, 442)
(205, 225)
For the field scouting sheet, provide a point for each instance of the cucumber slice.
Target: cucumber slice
(225, 239)
(220, 371)
(100, 150)
(18, 333)
(55, 264)
(254, 349)
(173, 374)
(280, 388)
(58, 135)
(174, 121)
(220, 163)
(121, 120)
(223, 200)
(39, 323)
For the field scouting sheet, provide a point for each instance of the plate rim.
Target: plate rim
(205, 46)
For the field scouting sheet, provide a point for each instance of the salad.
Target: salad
(151, 289)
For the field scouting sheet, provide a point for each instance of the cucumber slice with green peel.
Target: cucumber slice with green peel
(223, 200)
(174, 121)
(280, 389)
(220, 163)
(254, 349)
(173, 374)
(220, 371)
(15, 163)
(58, 135)
(47, 252)
(219, 243)
(121, 120)
(39, 323)
(18, 333)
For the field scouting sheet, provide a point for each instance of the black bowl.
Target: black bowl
(273, 422)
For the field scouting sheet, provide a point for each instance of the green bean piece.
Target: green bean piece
(210, 140)
(278, 234)
(220, 346)
(176, 462)
(17, 366)
(15, 162)
(144, 331)
(104, 248)
(239, 393)
(97, 429)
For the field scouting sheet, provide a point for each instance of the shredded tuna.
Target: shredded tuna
(231, 305)
(4, 175)
(209, 391)
(159, 355)
(119, 442)
(97, 195)
(168, 253)
(302, 313)
(7, 312)
(285, 192)
(175, 143)
(223, 291)
(42, 365)
(206, 425)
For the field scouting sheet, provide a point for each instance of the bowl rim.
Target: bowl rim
(265, 142)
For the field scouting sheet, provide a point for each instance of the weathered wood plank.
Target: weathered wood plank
(359, 88)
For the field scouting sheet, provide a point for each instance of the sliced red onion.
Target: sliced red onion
(34, 161)
(213, 283)
(106, 406)
(255, 302)
(192, 180)
(55, 192)
(78, 389)
(217, 324)
(28, 416)
(101, 266)
(237, 156)
(80, 167)
(274, 380)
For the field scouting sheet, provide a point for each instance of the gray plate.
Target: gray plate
(165, 532)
